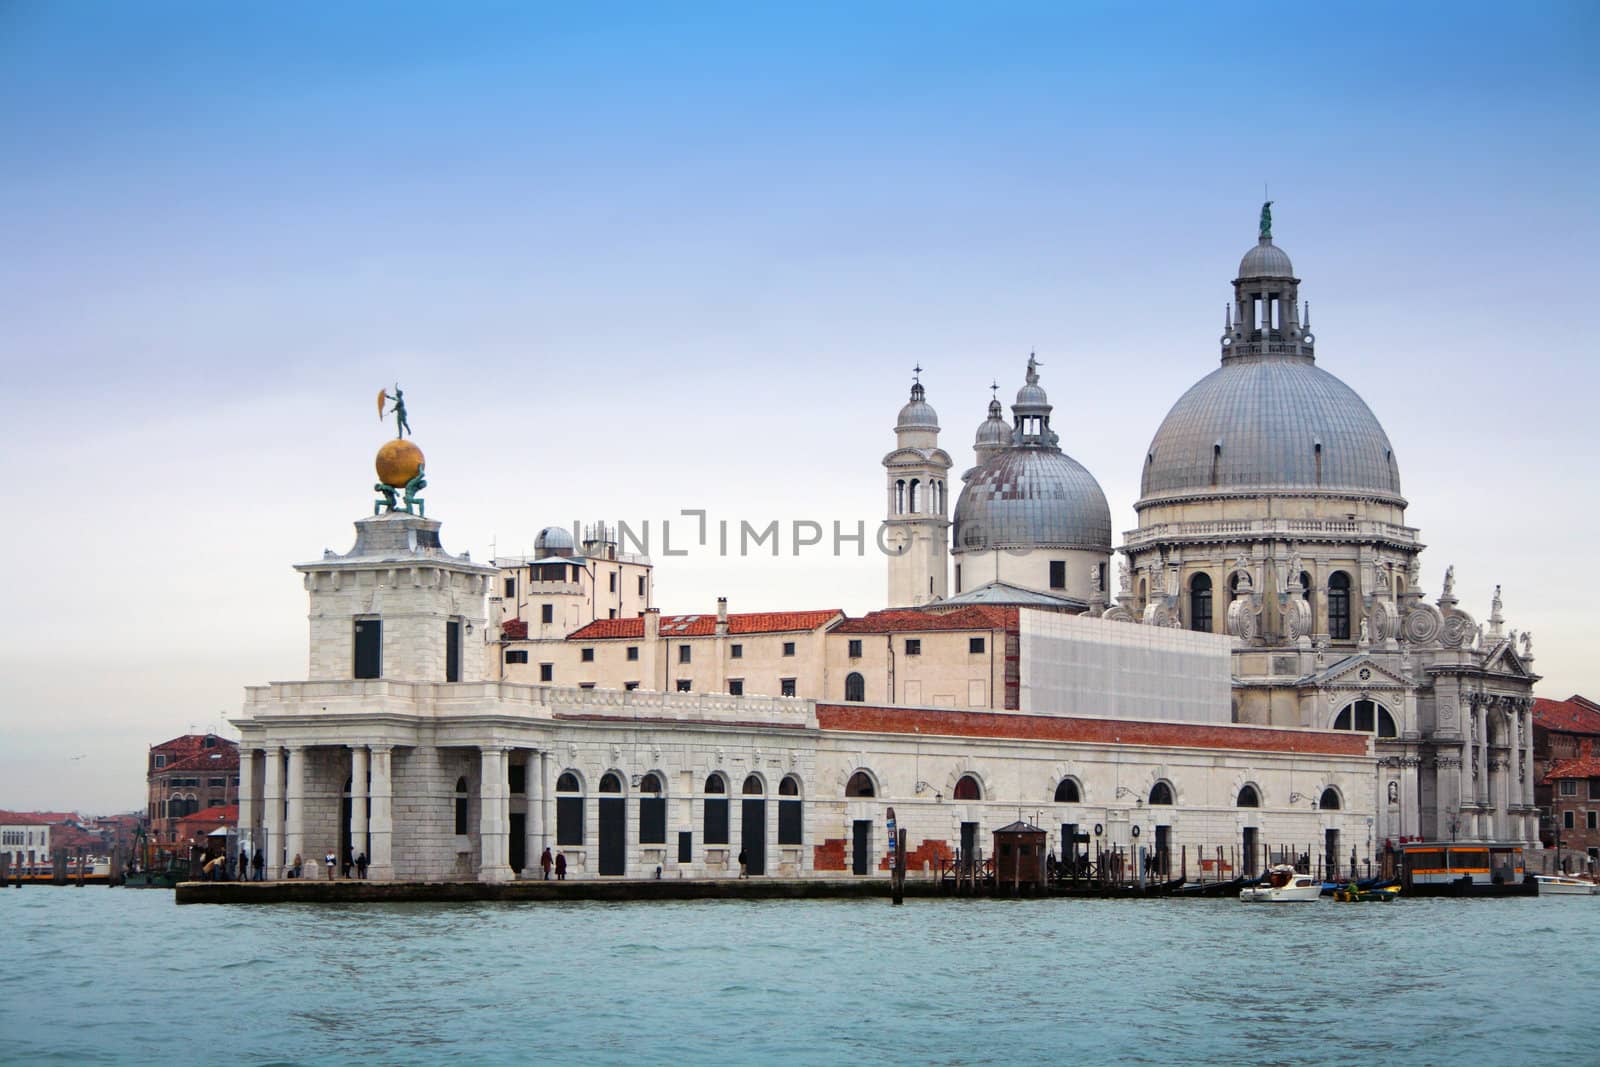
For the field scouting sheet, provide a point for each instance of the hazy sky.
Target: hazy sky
(631, 259)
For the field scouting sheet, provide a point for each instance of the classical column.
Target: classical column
(294, 802)
(1410, 798)
(533, 782)
(358, 802)
(492, 816)
(381, 828)
(247, 800)
(1530, 826)
(272, 811)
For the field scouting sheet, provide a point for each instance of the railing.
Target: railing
(1283, 528)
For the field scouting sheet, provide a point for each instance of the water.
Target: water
(123, 976)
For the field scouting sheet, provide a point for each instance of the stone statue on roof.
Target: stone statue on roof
(1266, 219)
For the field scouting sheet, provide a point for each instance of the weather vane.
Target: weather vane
(916, 374)
(400, 463)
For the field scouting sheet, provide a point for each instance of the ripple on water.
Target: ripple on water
(967, 981)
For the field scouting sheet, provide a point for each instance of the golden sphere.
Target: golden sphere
(398, 462)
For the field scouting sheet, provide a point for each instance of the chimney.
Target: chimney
(652, 624)
(722, 616)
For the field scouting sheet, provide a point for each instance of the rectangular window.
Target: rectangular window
(586, 655)
(652, 820)
(1593, 815)
(217, 783)
(585, 685)
(974, 644)
(628, 687)
(736, 687)
(683, 653)
(517, 777)
(369, 648)
(547, 613)
(853, 648)
(613, 577)
(1058, 574)
(789, 832)
(786, 687)
(913, 646)
(569, 820)
(516, 655)
(685, 846)
(452, 650)
(161, 760)
(683, 685)
(641, 585)
(633, 654)
(1569, 787)
(1594, 789)
(736, 652)
(547, 672)
(716, 821)
(511, 588)
(461, 815)
(1567, 821)
(958, 577)
(788, 648)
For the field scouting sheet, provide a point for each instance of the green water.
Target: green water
(100, 975)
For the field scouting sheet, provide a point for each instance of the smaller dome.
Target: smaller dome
(994, 431)
(553, 541)
(1266, 260)
(918, 414)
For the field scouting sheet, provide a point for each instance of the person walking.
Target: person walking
(545, 861)
(561, 866)
(361, 866)
(260, 864)
(244, 865)
(744, 859)
(332, 861)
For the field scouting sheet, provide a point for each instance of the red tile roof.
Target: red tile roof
(975, 617)
(208, 819)
(190, 753)
(988, 724)
(1574, 768)
(749, 622)
(1574, 715)
(38, 818)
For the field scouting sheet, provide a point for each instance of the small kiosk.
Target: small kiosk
(1019, 856)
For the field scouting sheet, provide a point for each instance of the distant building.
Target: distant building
(185, 775)
(1565, 736)
(198, 832)
(25, 837)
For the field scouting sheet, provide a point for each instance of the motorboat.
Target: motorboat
(1283, 884)
(1557, 885)
(1354, 894)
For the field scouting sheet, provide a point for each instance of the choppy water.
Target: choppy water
(123, 976)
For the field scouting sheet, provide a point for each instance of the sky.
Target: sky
(628, 260)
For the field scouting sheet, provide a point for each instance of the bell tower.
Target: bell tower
(917, 530)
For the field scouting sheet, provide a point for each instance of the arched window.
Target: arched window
(900, 497)
(1305, 591)
(860, 785)
(1249, 798)
(1143, 594)
(967, 788)
(568, 783)
(716, 810)
(913, 495)
(753, 786)
(1330, 799)
(716, 784)
(1339, 606)
(611, 783)
(789, 787)
(650, 783)
(855, 687)
(1067, 792)
(1200, 603)
(652, 811)
(791, 824)
(461, 806)
(1366, 716)
(1161, 793)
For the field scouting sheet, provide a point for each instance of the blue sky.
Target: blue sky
(629, 259)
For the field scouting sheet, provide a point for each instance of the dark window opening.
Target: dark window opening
(736, 651)
(568, 783)
(967, 789)
(975, 644)
(586, 655)
(736, 687)
(610, 784)
(788, 648)
(1058, 574)
(452, 650)
(516, 655)
(684, 652)
(1161, 793)
(511, 588)
(913, 646)
(1339, 606)
(1330, 800)
(632, 655)
(860, 785)
(1067, 792)
(853, 648)
(1249, 798)
(1200, 603)
(684, 685)
(517, 777)
(753, 786)
(461, 806)
(855, 687)
(547, 672)
(369, 648)
(547, 613)
(786, 687)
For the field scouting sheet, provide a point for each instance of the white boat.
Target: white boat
(1283, 885)
(1565, 885)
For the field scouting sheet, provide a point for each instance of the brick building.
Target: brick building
(1565, 734)
(185, 775)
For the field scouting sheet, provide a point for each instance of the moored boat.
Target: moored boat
(1354, 894)
(1283, 885)
(1559, 885)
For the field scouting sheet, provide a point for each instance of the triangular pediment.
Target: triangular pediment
(1503, 659)
(1360, 671)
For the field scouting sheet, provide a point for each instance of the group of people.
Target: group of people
(250, 868)
(357, 863)
(559, 863)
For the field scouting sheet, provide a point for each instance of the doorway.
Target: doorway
(969, 846)
(613, 836)
(519, 841)
(1251, 844)
(1164, 851)
(1330, 849)
(861, 846)
(753, 835)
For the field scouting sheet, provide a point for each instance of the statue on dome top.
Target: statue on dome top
(1266, 220)
(1033, 369)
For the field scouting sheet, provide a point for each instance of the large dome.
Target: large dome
(1032, 498)
(1267, 424)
